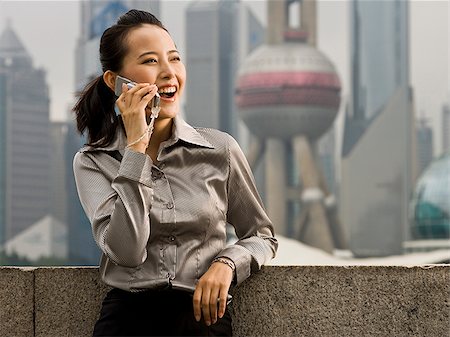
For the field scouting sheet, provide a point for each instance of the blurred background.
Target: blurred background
(342, 108)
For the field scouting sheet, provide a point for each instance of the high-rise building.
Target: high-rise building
(212, 54)
(24, 138)
(424, 139)
(219, 35)
(377, 156)
(82, 249)
(446, 128)
(58, 171)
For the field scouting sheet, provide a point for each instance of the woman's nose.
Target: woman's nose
(167, 71)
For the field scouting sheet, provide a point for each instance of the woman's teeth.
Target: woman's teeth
(167, 92)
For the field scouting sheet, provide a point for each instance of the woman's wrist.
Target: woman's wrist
(138, 147)
(226, 261)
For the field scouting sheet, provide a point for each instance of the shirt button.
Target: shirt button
(172, 238)
(169, 205)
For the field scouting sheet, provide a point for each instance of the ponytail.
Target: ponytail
(95, 113)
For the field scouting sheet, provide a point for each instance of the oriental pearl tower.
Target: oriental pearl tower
(288, 94)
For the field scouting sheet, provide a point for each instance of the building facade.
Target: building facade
(211, 40)
(446, 128)
(24, 138)
(424, 139)
(219, 35)
(377, 153)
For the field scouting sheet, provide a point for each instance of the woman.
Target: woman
(159, 202)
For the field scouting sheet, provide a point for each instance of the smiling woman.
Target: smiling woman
(159, 202)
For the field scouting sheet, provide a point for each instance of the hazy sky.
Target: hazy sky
(49, 31)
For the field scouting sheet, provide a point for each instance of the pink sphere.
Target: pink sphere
(286, 90)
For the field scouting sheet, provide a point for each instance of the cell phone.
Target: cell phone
(154, 103)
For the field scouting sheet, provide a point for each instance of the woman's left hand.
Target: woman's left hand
(210, 296)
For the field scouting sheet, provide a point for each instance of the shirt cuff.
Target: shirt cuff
(241, 258)
(136, 166)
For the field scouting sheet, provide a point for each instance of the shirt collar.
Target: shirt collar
(180, 131)
(185, 132)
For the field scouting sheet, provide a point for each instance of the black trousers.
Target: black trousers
(154, 313)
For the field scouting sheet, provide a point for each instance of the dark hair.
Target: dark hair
(94, 109)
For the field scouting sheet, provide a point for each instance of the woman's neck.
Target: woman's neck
(162, 131)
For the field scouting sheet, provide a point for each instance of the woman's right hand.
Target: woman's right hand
(132, 104)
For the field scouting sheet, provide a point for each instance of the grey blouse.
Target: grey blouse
(162, 224)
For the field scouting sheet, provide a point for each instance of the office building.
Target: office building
(424, 139)
(58, 171)
(219, 35)
(24, 138)
(446, 128)
(377, 153)
(211, 41)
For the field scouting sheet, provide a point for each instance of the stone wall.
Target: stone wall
(277, 301)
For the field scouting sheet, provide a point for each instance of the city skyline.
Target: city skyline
(429, 60)
(334, 43)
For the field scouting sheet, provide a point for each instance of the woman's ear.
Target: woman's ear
(110, 79)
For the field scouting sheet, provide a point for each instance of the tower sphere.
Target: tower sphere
(288, 89)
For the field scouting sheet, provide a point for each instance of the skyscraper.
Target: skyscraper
(211, 41)
(424, 137)
(219, 35)
(24, 138)
(376, 180)
(446, 128)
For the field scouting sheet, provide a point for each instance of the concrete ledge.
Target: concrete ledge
(340, 301)
(278, 301)
(67, 301)
(16, 302)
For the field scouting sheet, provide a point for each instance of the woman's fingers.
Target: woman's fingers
(223, 301)
(137, 93)
(213, 304)
(197, 303)
(206, 296)
(210, 296)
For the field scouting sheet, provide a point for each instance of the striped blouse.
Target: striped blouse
(162, 224)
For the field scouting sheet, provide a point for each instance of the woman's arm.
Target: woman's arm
(256, 245)
(118, 210)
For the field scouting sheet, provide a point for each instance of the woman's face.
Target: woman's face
(153, 58)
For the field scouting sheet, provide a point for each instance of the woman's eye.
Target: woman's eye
(150, 61)
(176, 58)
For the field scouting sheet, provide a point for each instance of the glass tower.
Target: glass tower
(377, 155)
(24, 138)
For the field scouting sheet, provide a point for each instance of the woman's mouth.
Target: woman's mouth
(167, 93)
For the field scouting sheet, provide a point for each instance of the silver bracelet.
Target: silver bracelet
(140, 138)
(226, 261)
(149, 131)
